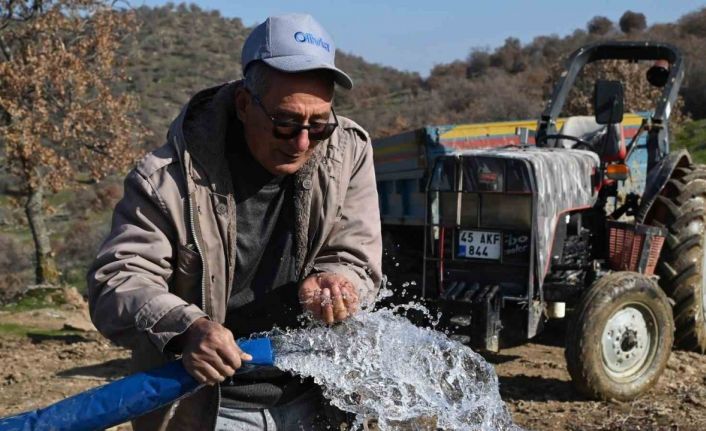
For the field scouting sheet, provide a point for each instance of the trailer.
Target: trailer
(403, 161)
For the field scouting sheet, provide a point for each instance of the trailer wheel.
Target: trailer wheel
(619, 337)
(681, 208)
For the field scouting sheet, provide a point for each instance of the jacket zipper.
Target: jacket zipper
(200, 251)
(203, 279)
(193, 226)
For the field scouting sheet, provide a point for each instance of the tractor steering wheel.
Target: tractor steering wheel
(578, 142)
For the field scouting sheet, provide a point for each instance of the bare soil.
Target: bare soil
(537, 389)
(40, 367)
(45, 358)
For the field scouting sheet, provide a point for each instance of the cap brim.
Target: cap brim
(303, 63)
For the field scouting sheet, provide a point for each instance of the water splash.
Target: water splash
(379, 365)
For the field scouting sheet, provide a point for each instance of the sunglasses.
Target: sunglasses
(287, 129)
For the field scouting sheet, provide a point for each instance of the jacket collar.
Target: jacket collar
(199, 133)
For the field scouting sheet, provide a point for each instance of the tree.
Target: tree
(599, 25)
(509, 56)
(694, 23)
(478, 62)
(67, 120)
(632, 22)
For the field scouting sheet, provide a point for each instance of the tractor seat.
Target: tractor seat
(609, 146)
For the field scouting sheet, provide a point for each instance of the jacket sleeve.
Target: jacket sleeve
(354, 246)
(128, 281)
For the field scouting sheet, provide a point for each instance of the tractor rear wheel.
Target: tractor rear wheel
(619, 337)
(681, 207)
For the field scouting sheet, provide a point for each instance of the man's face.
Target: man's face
(300, 98)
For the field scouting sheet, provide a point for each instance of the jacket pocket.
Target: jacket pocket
(186, 282)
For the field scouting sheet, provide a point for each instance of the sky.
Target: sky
(415, 35)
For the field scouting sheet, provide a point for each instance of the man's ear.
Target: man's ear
(242, 101)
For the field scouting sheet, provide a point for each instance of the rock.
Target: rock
(73, 298)
(79, 323)
(10, 379)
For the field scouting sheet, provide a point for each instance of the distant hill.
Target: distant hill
(179, 50)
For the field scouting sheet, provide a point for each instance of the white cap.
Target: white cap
(293, 43)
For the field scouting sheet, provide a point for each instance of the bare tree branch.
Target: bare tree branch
(5, 49)
(96, 149)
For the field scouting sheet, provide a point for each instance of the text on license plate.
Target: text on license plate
(479, 244)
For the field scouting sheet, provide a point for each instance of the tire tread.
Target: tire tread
(680, 269)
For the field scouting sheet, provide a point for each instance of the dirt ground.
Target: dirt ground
(40, 367)
(537, 389)
(42, 361)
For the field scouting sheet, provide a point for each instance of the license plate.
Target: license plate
(479, 244)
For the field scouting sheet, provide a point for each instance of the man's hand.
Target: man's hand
(329, 297)
(210, 353)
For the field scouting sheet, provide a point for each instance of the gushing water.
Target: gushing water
(379, 365)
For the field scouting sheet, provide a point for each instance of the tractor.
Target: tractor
(591, 218)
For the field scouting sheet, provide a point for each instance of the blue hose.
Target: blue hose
(124, 399)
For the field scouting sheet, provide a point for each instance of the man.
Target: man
(261, 205)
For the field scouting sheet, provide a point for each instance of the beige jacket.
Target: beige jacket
(170, 256)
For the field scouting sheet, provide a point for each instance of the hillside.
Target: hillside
(181, 49)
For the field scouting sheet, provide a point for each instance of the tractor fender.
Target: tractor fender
(658, 177)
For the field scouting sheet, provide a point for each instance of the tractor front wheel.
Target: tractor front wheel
(619, 337)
